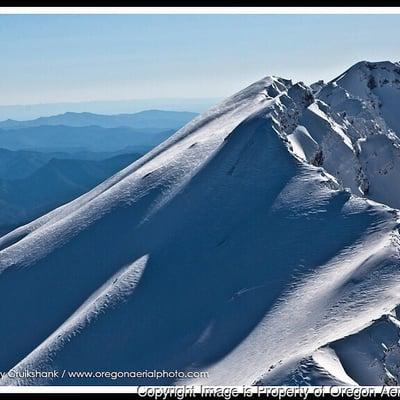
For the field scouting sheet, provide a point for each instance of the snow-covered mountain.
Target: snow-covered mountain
(260, 243)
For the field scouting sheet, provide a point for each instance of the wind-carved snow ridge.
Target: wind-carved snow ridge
(116, 290)
(260, 242)
(368, 357)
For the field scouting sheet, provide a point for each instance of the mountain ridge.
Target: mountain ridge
(148, 119)
(214, 251)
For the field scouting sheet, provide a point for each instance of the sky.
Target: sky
(75, 58)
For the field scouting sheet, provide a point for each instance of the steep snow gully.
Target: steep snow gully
(260, 243)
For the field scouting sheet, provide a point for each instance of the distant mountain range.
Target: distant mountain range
(23, 163)
(149, 119)
(31, 111)
(48, 161)
(52, 184)
(61, 138)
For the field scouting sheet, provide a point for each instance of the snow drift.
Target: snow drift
(259, 243)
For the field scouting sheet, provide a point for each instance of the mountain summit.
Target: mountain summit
(260, 243)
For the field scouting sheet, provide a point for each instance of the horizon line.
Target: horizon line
(110, 101)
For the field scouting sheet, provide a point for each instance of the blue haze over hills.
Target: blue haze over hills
(48, 161)
(23, 112)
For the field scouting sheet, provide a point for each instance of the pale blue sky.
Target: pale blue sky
(64, 58)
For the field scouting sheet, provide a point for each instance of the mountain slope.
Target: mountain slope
(20, 164)
(368, 357)
(53, 184)
(235, 247)
(17, 165)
